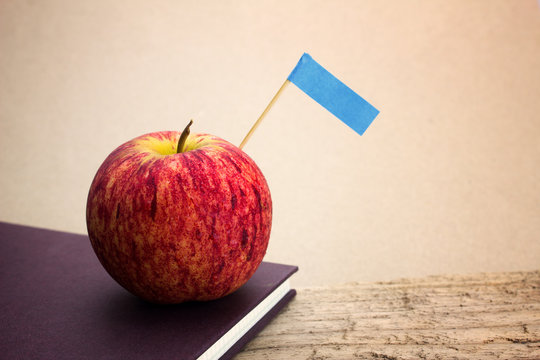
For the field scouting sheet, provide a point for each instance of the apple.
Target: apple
(173, 226)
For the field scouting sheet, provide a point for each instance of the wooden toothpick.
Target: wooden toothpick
(257, 123)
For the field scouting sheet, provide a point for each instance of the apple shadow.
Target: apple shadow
(120, 311)
(116, 322)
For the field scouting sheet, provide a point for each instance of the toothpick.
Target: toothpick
(257, 123)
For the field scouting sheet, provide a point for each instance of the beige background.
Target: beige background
(446, 179)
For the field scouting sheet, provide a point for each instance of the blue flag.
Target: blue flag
(335, 96)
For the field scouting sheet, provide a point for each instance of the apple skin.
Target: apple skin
(168, 227)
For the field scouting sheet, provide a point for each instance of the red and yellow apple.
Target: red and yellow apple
(179, 226)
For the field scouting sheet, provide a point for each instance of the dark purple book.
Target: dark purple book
(57, 302)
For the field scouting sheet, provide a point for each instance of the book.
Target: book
(57, 302)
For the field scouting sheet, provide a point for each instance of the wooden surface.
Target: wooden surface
(482, 316)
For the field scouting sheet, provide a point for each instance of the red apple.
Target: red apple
(173, 227)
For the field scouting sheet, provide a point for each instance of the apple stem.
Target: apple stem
(183, 138)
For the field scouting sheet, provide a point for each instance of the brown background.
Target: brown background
(445, 180)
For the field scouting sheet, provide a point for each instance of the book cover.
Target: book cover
(58, 302)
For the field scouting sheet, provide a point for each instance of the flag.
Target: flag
(332, 94)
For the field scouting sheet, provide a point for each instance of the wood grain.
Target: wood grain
(484, 316)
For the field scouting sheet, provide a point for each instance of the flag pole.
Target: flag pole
(258, 122)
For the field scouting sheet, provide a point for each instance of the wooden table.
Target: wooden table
(481, 316)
